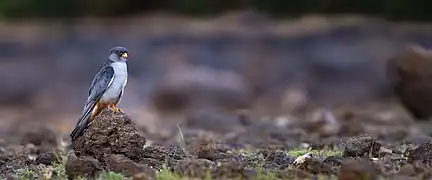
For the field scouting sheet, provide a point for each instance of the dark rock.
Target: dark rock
(48, 158)
(278, 160)
(83, 166)
(334, 160)
(361, 146)
(233, 170)
(207, 149)
(357, 169)
(121, 164)
(313, 165)
(153, 163)
(241, 161)
(194, 167)
(41, 137)
(422, 153)
(9, 163)
(155, 152)
(177, 153)
(111, 133)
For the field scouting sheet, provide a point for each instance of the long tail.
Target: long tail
(83, 120)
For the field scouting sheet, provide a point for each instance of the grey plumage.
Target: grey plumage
(107, 87)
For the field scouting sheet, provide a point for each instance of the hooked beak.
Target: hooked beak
(124, 55)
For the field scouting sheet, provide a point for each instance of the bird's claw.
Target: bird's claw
(116, 109)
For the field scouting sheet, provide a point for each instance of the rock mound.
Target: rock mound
(110, 143)
(110, 133)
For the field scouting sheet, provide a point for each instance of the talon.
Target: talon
(117, 109)
(113, 107)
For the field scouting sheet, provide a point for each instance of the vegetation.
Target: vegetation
(26, 173)
(112, 176)
(322, 153)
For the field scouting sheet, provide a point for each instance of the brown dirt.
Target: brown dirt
(113, 142)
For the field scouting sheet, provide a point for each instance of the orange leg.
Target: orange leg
(113, 106)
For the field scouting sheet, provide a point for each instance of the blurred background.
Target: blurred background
(263, 58)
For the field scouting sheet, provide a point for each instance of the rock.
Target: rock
(278, 160)
(203, 148)
(153, 163)
(233, 170)
(9, 163)
(83, 166)
(207, 148)
(410, 74)
(40, 137)
(357, 169)
(422, 153)
(334, 160)
(48, 158)
(361, 146)
(177, 153)
(194, 167)
(111, 133)
(311, 164)
(121, 164)
(155, 152)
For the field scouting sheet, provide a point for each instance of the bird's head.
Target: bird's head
(118, 54)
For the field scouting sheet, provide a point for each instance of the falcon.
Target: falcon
(106, 89)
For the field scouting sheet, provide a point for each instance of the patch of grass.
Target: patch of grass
(26, 173)
(322, 152)
(112, 176)
(166, 174)
(298, 152)
(59, 169)
(326, 177)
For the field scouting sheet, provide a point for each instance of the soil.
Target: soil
(114, 142)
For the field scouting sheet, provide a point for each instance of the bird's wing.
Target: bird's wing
(101, 82)
(102, 79)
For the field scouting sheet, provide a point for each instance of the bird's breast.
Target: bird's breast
(118, 83)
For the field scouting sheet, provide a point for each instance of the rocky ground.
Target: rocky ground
(374, 142)
(174, 126)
